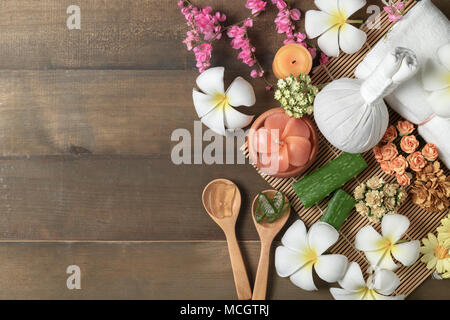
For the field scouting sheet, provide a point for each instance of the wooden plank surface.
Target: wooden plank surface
(144, 270)
(117, 88)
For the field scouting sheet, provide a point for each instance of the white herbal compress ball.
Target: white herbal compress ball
(351, 113)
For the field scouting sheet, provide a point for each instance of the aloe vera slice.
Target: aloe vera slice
(319, 184)
(278, 201)
(338, 209)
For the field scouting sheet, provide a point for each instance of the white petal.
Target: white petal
(353, 279)
(329, 6)
(287, 261)
(203, 103)
(349, 7)
(381, 259)
(211, 80)
(328, 42)
(368, 239)
(295, 237)
(444, 55)
(434, 77)
(351, 39)
(440, 102)
(382, 297)
(214, 120)
(317, 22)
(235, 119)
(322, 236)
(385, 281)
(407, 253)
(240, 93)
(331, 267)
(303, 278)
(341, 294)
(394, 226)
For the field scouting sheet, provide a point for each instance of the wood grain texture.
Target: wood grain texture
(133, 270)
(104, 198)
(113, 112)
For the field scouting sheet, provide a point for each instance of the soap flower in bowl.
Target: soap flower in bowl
(333, 26)
(214, 105)
(280, 145)
(302, 251)
(379, 285)
(379, 248)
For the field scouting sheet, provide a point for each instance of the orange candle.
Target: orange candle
(292, 59)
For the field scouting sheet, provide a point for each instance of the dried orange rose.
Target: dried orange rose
(377, 153)
(405, 127)
(399, 165)
(409, 144)
(403, 179)
(430, 152)
(390, 134)
(386, 167)
(389, 151)
(416, 161)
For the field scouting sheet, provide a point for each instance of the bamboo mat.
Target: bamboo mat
(421, 222)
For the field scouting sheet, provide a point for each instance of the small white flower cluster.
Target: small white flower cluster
(375, 198)
(296, 95)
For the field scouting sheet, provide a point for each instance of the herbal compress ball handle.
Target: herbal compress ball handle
(397, 67)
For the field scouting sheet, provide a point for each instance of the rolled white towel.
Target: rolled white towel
(424, 29)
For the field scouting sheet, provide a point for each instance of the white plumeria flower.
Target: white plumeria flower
(214, 105)
(378, 249)
(333, 26)
(301, 251)
(437, 80)
(378, 286)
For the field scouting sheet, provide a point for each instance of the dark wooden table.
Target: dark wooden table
(85, 172)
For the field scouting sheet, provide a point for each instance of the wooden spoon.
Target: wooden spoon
(222, 200)
(267, 232)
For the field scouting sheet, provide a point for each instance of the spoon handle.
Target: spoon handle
(244, 292)
(259, 291)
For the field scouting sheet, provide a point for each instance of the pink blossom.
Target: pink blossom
(324, 58)
(256, 74)
(204, 25)
(268, 88)
(257, 6)
(248, 23)
(202, 56)
(394, 11)
(313, 52)
(295, 14)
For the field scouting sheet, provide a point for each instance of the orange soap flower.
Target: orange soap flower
(430, 152)
(409, 144)
(416, 161)
(389, 151)
(399, 164)
(405, 127)
(390, 134)
(386, 167)
(403, 179)
(292, 59)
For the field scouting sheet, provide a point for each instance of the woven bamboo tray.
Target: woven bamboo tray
(421, 222)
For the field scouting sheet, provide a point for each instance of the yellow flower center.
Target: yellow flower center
(220, 100)
(387, 243)
(338, 19)
(310, 255)
(440, 252)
